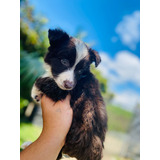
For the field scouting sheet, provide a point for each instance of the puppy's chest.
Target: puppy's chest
(80, 95)
(77, 98)
(79, 103)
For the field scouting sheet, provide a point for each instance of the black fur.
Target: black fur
(50, 88)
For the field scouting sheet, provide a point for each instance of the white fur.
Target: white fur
(36, 92)
(81, 50)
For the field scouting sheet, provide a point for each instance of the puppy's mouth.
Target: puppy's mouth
(63, 88)
(66, 86)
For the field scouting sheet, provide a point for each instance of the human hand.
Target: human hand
(57, 117)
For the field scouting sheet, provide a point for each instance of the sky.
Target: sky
(113, 28)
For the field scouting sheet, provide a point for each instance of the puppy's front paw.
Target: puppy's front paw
(36, 94)
(38, 97)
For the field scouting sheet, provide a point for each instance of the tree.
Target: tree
(33, 46)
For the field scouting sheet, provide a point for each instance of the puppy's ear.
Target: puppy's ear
(94, 57)
(57, 36)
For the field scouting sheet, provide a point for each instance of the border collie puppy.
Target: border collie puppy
(68, 72)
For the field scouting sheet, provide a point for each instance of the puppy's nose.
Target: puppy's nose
(68, 84)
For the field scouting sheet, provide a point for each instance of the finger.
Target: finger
(67, 99)
(43, 99)
(46, 101)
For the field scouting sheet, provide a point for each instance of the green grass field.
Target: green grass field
(118, 118)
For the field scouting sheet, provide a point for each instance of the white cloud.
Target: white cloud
(127, 99)
(125, 67)
(129, 30)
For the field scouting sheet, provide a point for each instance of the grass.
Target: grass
(118, 118)
(29, 132)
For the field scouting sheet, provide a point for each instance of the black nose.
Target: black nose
(68, 84)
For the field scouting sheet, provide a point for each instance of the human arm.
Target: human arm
(57, 118)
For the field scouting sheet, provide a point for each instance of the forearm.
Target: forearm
(47, 147)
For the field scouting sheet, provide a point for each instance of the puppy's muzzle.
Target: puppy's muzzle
(68, 84)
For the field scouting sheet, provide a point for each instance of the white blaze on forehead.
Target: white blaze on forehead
(81, 50)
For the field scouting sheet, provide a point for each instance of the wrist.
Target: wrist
(53, 137)
(47, 146)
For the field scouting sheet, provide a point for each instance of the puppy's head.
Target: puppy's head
(68, 59)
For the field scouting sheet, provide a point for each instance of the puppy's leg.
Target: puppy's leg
(94, 151)
(48, 86)
(36, 94)
(96, 148)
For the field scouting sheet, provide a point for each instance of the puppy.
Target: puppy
(68, 72)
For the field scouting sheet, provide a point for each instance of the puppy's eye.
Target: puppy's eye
(65, 62)
(80, 71)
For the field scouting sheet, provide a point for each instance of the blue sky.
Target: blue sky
(113, 27)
